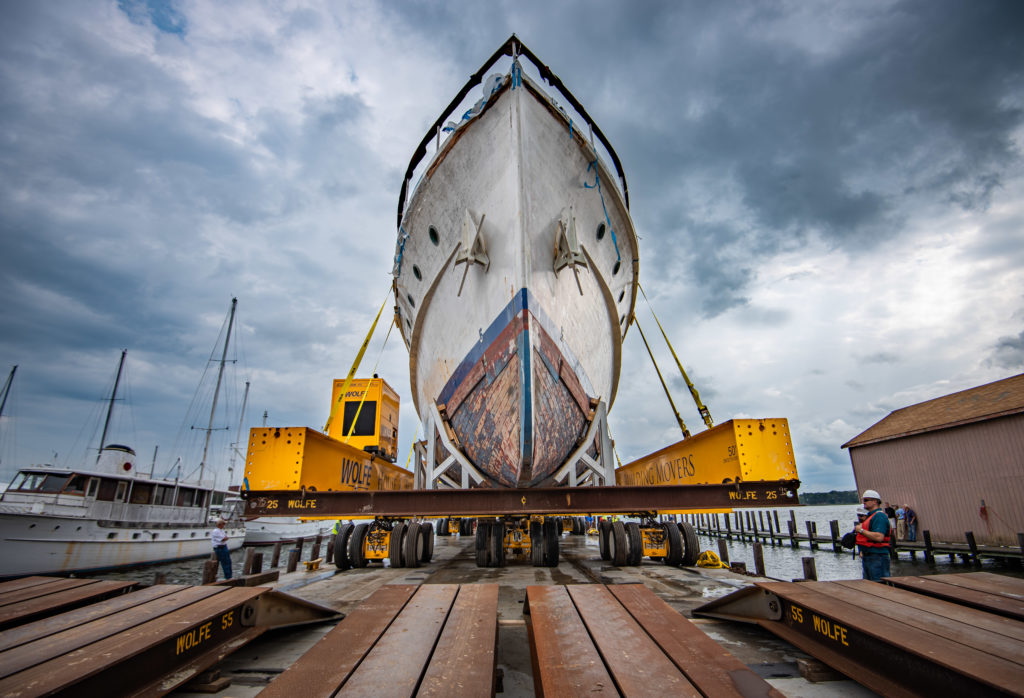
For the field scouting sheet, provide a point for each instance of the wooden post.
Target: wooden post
(739, 525)
(728, 527)
(316, 547)
(778, 528)
(257, 563)
(969, 535)
(760, 517)
(275, 557)
(298, 546)
(929, 556)
(792, 533)
(330, 550)
(723, 550)
(771, 531)
(247, 565)
(809, 570)
(810, 535)
(759, 559)
(792, 517)
(210, 571)
(834, 529)
(293, 560)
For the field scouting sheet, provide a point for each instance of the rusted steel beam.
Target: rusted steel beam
(498, 502)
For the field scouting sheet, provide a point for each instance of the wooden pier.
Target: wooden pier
(916, 636)
(114, 643)
(767, 528)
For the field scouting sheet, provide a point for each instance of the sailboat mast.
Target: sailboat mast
(7, 389)
(216, 390)
(238, 434)
(110, 407)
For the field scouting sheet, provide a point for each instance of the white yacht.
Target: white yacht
(104, 517)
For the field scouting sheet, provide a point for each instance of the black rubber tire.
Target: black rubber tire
(413, 546)
(396, 545)
(674, 543)
(442, 527)
(552, 530)
(356, 556)
(537, 543)
(580, 528)
(636, 544)
(604, 527)
(617, 549)
(496, 544)
(483, 552)
(691, 546)
(341, 560)
(428, 542)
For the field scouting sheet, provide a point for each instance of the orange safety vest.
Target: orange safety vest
(867, 542)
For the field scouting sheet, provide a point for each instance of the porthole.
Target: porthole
(615, 269)
(135, 536)
(622, 295)
(416, 273)
(434, 237)
(111, 536)
(600, 231)
(411, 301)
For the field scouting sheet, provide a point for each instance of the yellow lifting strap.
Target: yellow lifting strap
(355, 365)
(710, 559)
(362, 398)
(682, 426)
(705, 414)
(412, 447)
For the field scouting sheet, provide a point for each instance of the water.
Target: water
(785, 562)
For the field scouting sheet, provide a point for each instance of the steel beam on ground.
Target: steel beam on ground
(498, 502)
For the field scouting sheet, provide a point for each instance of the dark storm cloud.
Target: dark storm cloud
(1008, 352)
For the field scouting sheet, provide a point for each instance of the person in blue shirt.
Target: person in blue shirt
(873, 537)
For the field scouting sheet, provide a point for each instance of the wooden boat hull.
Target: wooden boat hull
(514, 353)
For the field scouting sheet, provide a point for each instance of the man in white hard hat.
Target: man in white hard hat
(873, 538)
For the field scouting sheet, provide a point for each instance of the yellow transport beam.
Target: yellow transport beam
(300, 458)
(740, 450)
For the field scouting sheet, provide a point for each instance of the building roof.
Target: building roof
(998, 399)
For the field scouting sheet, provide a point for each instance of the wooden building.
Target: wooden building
(957, 460)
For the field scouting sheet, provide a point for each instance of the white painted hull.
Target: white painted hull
(517, 358)
(32, 544)
(269, 530)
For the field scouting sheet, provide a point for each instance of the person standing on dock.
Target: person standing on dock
(873, 538)
(901, 523)
(910, 516)
(219, 538)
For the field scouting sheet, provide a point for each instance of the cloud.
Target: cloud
(828, 197)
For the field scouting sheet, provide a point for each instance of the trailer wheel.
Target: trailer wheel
(691, 546)
(395, 545)
(482, 545)
(428, 542)
(635, 544)
(674, 541)
(604, 528)
(497, 543)
(356, 555)
(442, 527)
(412, 548)
(551, 535)
(341, 560)
(537, 543)
(617, 551)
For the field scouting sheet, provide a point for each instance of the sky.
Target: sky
(829, 198)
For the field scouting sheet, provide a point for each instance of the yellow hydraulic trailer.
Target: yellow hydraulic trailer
(736, 451)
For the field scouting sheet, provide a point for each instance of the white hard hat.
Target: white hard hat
(871, 494)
